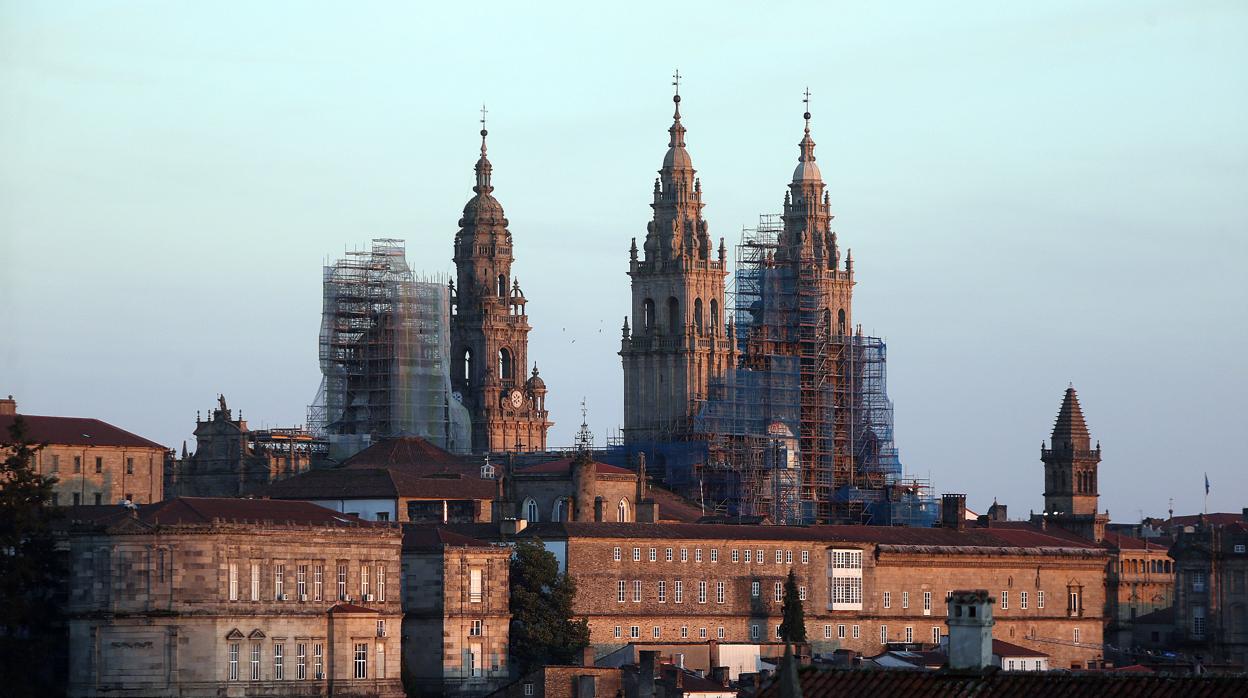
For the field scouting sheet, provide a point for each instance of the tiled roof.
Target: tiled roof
(75, 431)
(206, 510)
(1125, 542)
(1216, 519)
(564, 465)
(1001, 648)
(673, 507)
(1008, 684)
(380, 483)
(433, 537)
(410, 453)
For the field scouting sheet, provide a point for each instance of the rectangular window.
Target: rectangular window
(788, 557)
(827, 632)
(753, 631)
(779, 591)
(77, 464)
(233, 581)
(301, 582)
(927, 603)
(935, 634)
(636, 554)
(342, 581)
(684, 632)
(662, 591)
(365, 589)
(905, 599)
(1198, 624)
(318, 581)
(754, 589)
(381, 583)
(279, 661)
(318, 661)
(1022, 600)
(801, 593)
(1076, 635)
(747, 556)
(360, 665)
(255, 661)
(667, 555)
(909, 634)
(736, 556)
(56, 464)
(883, 634)
(777, 632)
(1198, 580)
(77, 499)
(619, 632)
(654, 554)
(129, 466)
(805, 557)
(301, 661)
(99, 464)
(621, 591)
(697, 554)
(719, 592)
(615, 554)
(779, 556)
(474, 660)
(1005, 600)
(634, 632)
(1073, 602)
(1040, 599)
(840, 632)
(701, 633)
(474, 586)
(381, 628)
(656, 632)
(714, 555)
(855, 632)
(759, 556)
(528, 687)
(233, 661)
(701, 592)
(888, 599)
(637, 591)
(255, 581)
(847, 590)
(684, 554)
(383, 516)
(279, 581)
(99, 498)
(475, 628)
(678, 591)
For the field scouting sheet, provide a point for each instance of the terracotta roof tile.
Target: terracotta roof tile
(381, 483)
(75, 431)
(564, 465)
(407, 453)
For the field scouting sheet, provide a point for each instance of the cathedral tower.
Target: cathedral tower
(1070, 473)
(490, 330)
(678, 340)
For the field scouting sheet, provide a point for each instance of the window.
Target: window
(383, 516)
(255, 581)
(684, 554)
(759, 556)
(647, 314)
(1005, 599)
(636, 554)
(805, 557)
(365, 589)
(318, 580)
(673, 316)
(301, 661)
(474, 586)
(927, 603)
(99, 464)
(77, 464)
(1022, 600)
(662, 591)
(301, 581)
(233, 661)
(697, 315)
(528, 687)
(634, 631)
(855, 632)
(909, 634)
(129, 466)
(702, 592)
(777, 632)
(530, 510)
(621, 591)
(779, 591)
(736, 556)
(360, 665)
(779, 556)
(678, 591)
(381, 582)
(1198, 623)
(719, 592)
(754, 589)
(233, 581)
(1072, 602)
(847, 590)
(637, 591)
(656, 632)
(701, 633)
(56, 464)
(697, 554)
(747, 556)
(99, 498)
(342, 581)
(1239, 547)
(1040, 599)
(788, 557)
(719, 633)
(621, 511)
(615, 554)
(318, 661)
(279, 661)
(935, 634)
(77, 499)
(684, 632)
(667, 556)
(654, 555)
(753, 631)
(255, 661)
(504, 364)
(905, 599)
(840, 632)
(279, 581)
(1076, 635)
(827, 632)
(474, 628)
(888, 599)
(714, 555)
(619, 632)
(801, 593)
(883, 634)
(1198, 580)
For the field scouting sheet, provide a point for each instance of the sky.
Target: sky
(1036, 195)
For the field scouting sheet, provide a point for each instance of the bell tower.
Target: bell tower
(490, 329)
(678, 340)
(1070, 473)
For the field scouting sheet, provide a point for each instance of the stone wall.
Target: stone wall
(103, 474)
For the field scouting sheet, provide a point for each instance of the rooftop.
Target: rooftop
(183, 511)
(564, 466)
(75, 431)
(381, 483)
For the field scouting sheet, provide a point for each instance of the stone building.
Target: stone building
(231, 459)
(678, 341)
(93, 462)
(456, 612)
(864, 586)
(207, 597)
(1139, 582)
(1070, 474)
(578, 489)
(490, 330)
(1211, 592)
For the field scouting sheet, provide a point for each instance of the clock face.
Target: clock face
(517, 398)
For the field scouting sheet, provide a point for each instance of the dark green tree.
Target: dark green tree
(542, 628)
(30, 573)
(793, 626)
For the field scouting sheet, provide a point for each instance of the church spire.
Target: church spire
(807, 170)
(484, 168)
(1070, 431)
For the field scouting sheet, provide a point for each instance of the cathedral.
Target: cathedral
(490, 330)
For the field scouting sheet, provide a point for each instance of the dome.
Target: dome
(807, 172)
(483, 206)
(677, 158)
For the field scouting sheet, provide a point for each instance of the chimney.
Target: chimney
(719, 675)
(511, 527)
(8, 407)
(587, 656)
(645, 673)
(970, 629)
(953, 511)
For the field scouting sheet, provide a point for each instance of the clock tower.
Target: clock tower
(490, 330)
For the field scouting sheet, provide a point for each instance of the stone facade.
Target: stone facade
(490, 330)
(1211, 592)
(456, 606)
(679, 339)
(577, 489)
(1139, 581)
(203, 597)
(93, 462)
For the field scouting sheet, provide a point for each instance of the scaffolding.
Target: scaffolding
(384, 344)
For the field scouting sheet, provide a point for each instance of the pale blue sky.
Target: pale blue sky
(1035, 193)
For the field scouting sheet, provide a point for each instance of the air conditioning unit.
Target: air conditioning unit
(303, 597)
(381, 632)
(344, 597)
(283, 597)
(368, 597)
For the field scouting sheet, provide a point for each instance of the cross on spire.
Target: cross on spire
(806, 101)
(676, 81)
(484, 132)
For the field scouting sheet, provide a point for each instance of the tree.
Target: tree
(30, 572)
(793, 627)
(543, 630)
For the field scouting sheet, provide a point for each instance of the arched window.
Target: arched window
(647, 314)
(714, 316)
(621, 510)
(673, 316)
(504, 364)
(502, 286)
(530, 510)
(559, 513)
(840, 322)
(697, 314)
(467, 366)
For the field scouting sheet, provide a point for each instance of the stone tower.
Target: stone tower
(490, 330)
(1070, 473)
(678, 339)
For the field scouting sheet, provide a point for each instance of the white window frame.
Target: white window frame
(719, 592)
(684, 554)
(754, 589)
(279, 661)
(667, 555)
(805, 557)
(678, 591)
(927, 603)
(233, 583)
(1040, 599)
(636, 591)
(654, 555)
(636, 554)
(779, 592)
(840, 631)
(714, 554)
(232, 661)
(662, 591)
(702, 591)
(621, 591)
(359, 664)
(1022, 600)
(888, 599)
(615, 554)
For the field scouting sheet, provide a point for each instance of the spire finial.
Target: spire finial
(676, 97)
(484, 132)
(806, 101)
